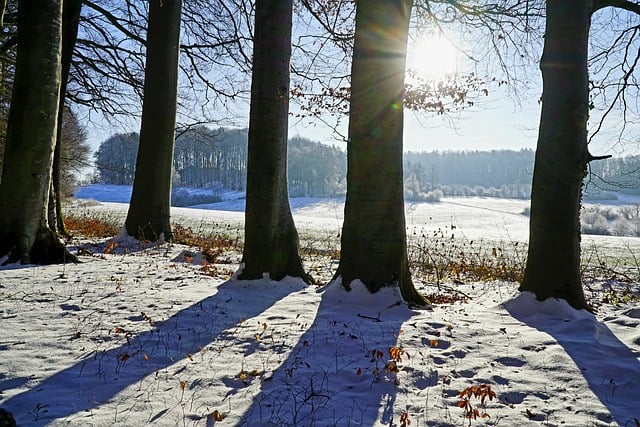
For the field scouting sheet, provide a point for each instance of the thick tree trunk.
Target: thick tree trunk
(149, 211)
(553, 262)
(70, 19)
(31, 131)
(374, 247)
(271, 239)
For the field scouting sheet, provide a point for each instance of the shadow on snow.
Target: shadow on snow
(611, 369)
(111, 371)
(336, 373)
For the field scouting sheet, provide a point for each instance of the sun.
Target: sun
(432, 57)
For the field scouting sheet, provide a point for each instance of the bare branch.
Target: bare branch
(620, 4)
(115, 22)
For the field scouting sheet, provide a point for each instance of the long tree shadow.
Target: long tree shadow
(98, 376)
(610, 367)
(339, 372)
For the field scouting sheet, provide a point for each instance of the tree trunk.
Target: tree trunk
(271, 240)
(70, 19)
(553, 261)
(149, 211)
(374, 247)
(31, 131)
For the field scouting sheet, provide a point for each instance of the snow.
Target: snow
(105, 193)
(139, 335)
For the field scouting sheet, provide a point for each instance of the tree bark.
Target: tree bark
(271, 240)
(70, 19)
(374, 247)
(31, 131)
(553, 261)
(149, 216)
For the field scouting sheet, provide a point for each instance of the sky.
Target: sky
(507, 118)
(499, 122)
(502, 120)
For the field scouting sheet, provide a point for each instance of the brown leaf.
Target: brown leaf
(217, 415)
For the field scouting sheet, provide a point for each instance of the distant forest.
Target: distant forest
(216, 158)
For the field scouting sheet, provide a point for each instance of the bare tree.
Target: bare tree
(271, 240)
(108, 68)
(373, 247)
(149, 211)
(70, 19)
(31, 133)
(562, 156)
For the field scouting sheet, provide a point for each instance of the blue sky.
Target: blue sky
(499, 123)
(506, 119)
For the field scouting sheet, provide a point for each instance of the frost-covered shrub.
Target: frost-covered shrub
(621, 221)
(429, 196)
(610, 213)
(632, 213)
(181, 197)
(433, 196)
(626, 225)
(622, 227)
(594, 222)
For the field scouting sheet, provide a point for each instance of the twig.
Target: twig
(377, 319)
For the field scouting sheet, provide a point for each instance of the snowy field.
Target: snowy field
(493, 222)
(140, 336)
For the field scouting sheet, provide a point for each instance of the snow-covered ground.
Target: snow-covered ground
(495, 222)
(139, 335)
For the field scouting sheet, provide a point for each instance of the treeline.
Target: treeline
(217, 158)
(496, 173)
(619, 175)
(506, 173)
